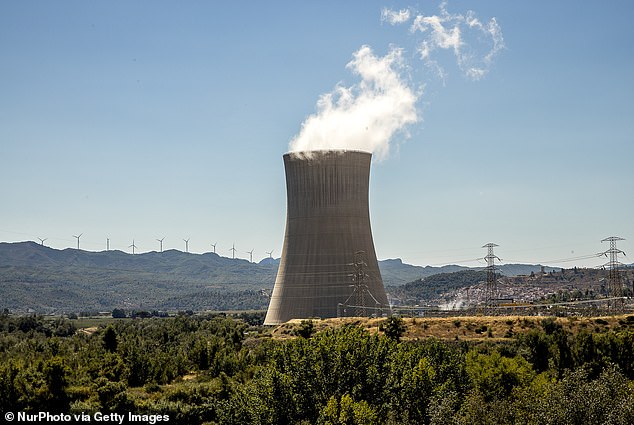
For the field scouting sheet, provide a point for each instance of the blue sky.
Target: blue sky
(142, 120)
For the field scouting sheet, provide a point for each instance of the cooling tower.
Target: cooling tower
(328, 265)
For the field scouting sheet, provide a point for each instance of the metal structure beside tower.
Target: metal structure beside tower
(615, 281)
(491, 287)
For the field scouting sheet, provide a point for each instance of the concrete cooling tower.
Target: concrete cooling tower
(328, 266)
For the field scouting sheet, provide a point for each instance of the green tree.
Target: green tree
(110, 339)
(56, 374)
(118, 313)
(393, 328)
(534, 346)
(306, 329)
(494, 376)
(9, 394)
(113, 396)
(346, 411)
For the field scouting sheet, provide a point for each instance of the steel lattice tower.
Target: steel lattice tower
(358, 277)
(491, 288)
(615, 284)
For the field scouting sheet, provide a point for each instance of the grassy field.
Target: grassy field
(95, 321)
(470, 328)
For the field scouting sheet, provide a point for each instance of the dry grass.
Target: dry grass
(89, 331)
(468, 328)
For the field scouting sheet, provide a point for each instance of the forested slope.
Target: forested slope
(218, 370)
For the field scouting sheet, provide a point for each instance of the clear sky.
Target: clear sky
(139, 120)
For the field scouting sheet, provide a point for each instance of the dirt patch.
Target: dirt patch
(89, 331)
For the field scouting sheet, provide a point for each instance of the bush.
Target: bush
(118, 313)
(306, 329)
(393, 328)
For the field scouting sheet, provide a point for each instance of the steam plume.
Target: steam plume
(364, 116)
(473, 43)
(394, 17)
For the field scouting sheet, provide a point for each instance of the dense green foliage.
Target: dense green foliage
(220, 370)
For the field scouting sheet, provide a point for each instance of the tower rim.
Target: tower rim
(308, 153)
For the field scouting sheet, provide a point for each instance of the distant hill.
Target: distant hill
(169, 264)
(38, 278)
(43, 279)
(434, 286)
(395, 272)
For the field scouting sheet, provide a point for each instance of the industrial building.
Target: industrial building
(328, 266)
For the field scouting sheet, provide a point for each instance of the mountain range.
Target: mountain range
(37, 278)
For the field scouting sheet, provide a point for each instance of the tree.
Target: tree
(346, 411)
(494, 376)
(110, 339)
(113, 396)
(306, 329)
(56, 378)
(393, 328)
(118, 313)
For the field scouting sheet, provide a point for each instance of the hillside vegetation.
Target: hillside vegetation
(435, 286)
(35, 278)
(217, 370)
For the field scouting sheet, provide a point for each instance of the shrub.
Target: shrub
(393, 328)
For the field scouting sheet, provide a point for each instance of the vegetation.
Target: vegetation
(225, 371)
(45, 280)
(434, 286)
(36, 278)
(393, 328)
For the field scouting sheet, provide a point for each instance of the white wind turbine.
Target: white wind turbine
(161, 242)
(77, 237)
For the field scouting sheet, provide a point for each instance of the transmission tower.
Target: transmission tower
(358, 299)
(491, 288)
(359, 283)
(615, 283)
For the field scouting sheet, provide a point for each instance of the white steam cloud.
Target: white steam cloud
(365, 116)
(394, 17)
(474, 43)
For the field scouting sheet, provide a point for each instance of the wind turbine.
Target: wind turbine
(187, 244)
(250, 255)
(270, 254)
(107, 244)
(161, 242)
(214, 245)
(233, 248)
(42, 240)
(133, 246)
(77, 237)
